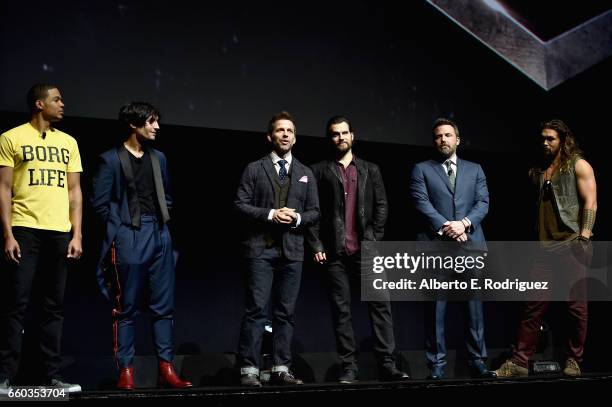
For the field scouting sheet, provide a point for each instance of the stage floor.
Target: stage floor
(366, 390)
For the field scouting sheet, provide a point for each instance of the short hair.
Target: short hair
(38, 91)
(443, 121)
(337, 120)
(280, 116)
(569, 148)
(136, 114)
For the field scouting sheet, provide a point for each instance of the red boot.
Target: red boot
(126, 378)
(167, 377)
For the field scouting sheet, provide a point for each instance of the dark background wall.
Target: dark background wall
(392, 70)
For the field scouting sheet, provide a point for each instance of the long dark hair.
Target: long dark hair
(570, 152)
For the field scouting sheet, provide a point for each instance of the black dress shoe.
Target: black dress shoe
(348, 376)
(284, 379)
(437, 373)
(250, 380)
(393, 374)
(479, 370)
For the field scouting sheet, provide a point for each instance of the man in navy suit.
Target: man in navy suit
(452, 198)
(277, 198)
(131, 198)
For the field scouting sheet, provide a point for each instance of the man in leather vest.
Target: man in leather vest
(566, 207)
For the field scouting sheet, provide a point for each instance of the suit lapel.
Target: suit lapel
(132, 192)
(460, 180)
(296, 173)
(438, 168)
(333, 167)
(269, 170)
(159, 184)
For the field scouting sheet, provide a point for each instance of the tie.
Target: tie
(282, 172)
(451, 173)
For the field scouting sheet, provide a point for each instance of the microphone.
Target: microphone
(44, 135)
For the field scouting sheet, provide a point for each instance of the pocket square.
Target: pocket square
(304, 178)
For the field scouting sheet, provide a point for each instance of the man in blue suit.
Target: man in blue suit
(452, 198)
(131, 198)
(277, 198)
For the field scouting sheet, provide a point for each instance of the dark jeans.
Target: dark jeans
(564, 264)
(270, 274)
(43, 258)
(342, 272)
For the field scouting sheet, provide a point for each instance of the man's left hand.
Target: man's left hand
(75, 249)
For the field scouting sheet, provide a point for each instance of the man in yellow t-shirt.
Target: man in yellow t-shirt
(41, 213)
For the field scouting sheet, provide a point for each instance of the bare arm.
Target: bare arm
(11, 247)
(587, 189)
(75, 198)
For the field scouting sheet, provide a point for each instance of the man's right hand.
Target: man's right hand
(283, 215)
(320, 257)
(12, 252)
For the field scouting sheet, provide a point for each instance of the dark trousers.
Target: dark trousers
(435, 332)
(144, 259)
(343, 271)
(43, 261)
(563, 264)
(270, 274)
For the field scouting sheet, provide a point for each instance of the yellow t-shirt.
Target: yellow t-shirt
(40, 175)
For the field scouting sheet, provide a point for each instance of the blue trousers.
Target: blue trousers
(436, 343)
(144, 260)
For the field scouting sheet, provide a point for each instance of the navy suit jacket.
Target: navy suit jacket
(435, 201)
(111, 200)
(255, 198)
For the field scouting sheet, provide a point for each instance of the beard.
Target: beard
(343, 147)
(446, 151)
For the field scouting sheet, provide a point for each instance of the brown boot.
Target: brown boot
(511, 369)
(167, 377)
(572, 368)
(126, 378)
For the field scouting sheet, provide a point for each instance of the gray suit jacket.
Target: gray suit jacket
(255, 198)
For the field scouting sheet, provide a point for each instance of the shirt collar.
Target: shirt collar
(275, 158)
(452, 159)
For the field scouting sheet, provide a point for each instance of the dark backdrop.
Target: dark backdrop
(393, 71)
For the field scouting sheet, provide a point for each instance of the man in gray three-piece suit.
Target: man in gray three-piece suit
(277, 197)
(452, 198)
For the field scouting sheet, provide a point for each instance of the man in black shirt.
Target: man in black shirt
(131, 198)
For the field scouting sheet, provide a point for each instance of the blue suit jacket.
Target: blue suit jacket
(111, 200)
(255, 198)
(435, 201)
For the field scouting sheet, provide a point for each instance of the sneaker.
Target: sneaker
(572, 368)
(69, 387)
(5, 386)
(511, 369)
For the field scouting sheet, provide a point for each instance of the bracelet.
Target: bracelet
(583, 238)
